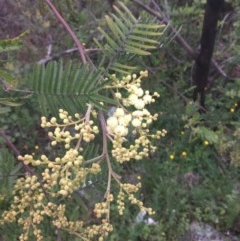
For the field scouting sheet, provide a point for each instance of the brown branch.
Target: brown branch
(69, 30)
(15, 150)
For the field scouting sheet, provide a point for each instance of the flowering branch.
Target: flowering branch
(67, 173)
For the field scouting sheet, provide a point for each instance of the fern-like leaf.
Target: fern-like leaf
(127, 36)
(9, 171)
(68, 87)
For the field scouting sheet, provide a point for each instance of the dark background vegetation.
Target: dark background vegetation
(194, 174)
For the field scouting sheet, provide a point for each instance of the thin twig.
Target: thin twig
(69, 30)
(105, 151)
(218, 68)
(7, 89)
(47, 58)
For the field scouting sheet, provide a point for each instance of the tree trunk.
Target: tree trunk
(203, 60)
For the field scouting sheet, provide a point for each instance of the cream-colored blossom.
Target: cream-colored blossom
(121, 130)
(139, 104)
(119, 112)
(136, 122)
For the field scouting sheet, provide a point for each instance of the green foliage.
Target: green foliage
(229, 146)
(7, 79)
(70, 87)
(203, 145)
(8, 45)
(128, 37)
(130, 34)
(20, 125)
(5, 104)
(8, 172)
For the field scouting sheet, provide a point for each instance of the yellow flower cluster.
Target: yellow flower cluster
(103, 208)
(128, 190)
(132, 123)
(64, 174)
(28, 196)
(101, 231)
(32, 195)
(83, 128)
(58, 179)
(38, 210)
(136, 96)
(90, 232)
